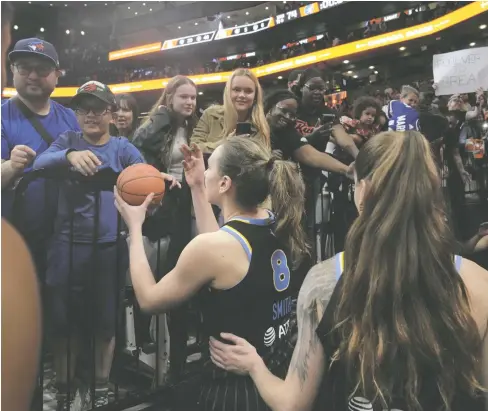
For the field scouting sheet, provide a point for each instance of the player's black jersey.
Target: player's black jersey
(258, 309)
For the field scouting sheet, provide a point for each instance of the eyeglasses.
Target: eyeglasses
(285, 113)
(42, 70)
(316, 88)
(95, 111)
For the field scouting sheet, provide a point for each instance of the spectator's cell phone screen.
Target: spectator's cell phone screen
(243, 128)
(328, 118)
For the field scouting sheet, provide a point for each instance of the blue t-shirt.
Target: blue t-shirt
(117, 154)
(402, 116)
(17, 130)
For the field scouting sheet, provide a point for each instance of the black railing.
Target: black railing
(140, 366)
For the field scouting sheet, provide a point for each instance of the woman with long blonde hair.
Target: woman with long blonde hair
(243, 105)
(397, 321)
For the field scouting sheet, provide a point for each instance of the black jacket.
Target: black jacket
(154, 139)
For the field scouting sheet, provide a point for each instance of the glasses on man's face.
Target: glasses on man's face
(42, 70)
(96, 111)
(315, 88)
(286, 113)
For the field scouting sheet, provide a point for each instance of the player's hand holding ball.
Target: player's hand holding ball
(139, 189)
(21, 157)
(85, 162)
(193, 165)
(133, 216)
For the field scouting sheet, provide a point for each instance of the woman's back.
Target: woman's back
(340, 389)
(259, 307)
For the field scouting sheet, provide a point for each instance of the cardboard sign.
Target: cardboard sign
(462, 71)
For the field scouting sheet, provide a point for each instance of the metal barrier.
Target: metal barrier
(140, 366)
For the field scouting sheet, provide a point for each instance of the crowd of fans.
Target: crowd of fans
(322, 170)
(92, 63)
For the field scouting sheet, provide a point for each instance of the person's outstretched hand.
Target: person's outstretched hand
(193, 165)
(133, 216)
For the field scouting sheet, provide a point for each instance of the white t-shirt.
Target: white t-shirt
(176, 168)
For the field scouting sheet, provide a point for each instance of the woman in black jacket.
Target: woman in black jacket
(169, 125)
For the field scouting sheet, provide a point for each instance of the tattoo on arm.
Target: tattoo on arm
(312, 301)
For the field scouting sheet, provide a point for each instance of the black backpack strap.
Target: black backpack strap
(29, 115)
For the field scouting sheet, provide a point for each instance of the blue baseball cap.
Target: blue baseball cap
(34, 47)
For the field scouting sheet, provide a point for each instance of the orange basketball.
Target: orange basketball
(136, 182)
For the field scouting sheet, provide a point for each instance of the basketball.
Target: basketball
(136, 182)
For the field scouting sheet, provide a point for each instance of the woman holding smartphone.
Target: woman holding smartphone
(281, 112)
(242, 113)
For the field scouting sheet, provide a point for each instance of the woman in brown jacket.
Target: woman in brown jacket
(243, 103)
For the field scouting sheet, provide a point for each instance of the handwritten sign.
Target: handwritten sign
(461, 71)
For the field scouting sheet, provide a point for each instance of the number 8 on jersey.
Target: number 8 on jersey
(281, 272)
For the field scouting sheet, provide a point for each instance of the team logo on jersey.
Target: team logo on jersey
(269, 337)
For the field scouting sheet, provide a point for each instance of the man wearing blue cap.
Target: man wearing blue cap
(30, 122)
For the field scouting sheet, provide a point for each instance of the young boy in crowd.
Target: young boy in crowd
(403, 114)
(83, 281)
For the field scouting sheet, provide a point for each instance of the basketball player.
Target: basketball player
(398, 323)
(21, 322)
(246, 265)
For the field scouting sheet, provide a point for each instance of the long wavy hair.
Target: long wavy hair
(403, 310)
(248, 163)
(166, 100)
(258, 118)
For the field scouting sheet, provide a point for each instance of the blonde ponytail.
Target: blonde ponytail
(287, 192)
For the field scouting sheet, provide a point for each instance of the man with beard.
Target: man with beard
(30, 122)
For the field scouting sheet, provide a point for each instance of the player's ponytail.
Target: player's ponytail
(257, 176)
(287, 192)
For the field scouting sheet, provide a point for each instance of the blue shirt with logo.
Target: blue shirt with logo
(77, 197)
(402, 117)
(17, 130)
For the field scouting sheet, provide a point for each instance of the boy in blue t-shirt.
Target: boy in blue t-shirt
(82, 294)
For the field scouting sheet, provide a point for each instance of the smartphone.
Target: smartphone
(328, 118)
(243, 128)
